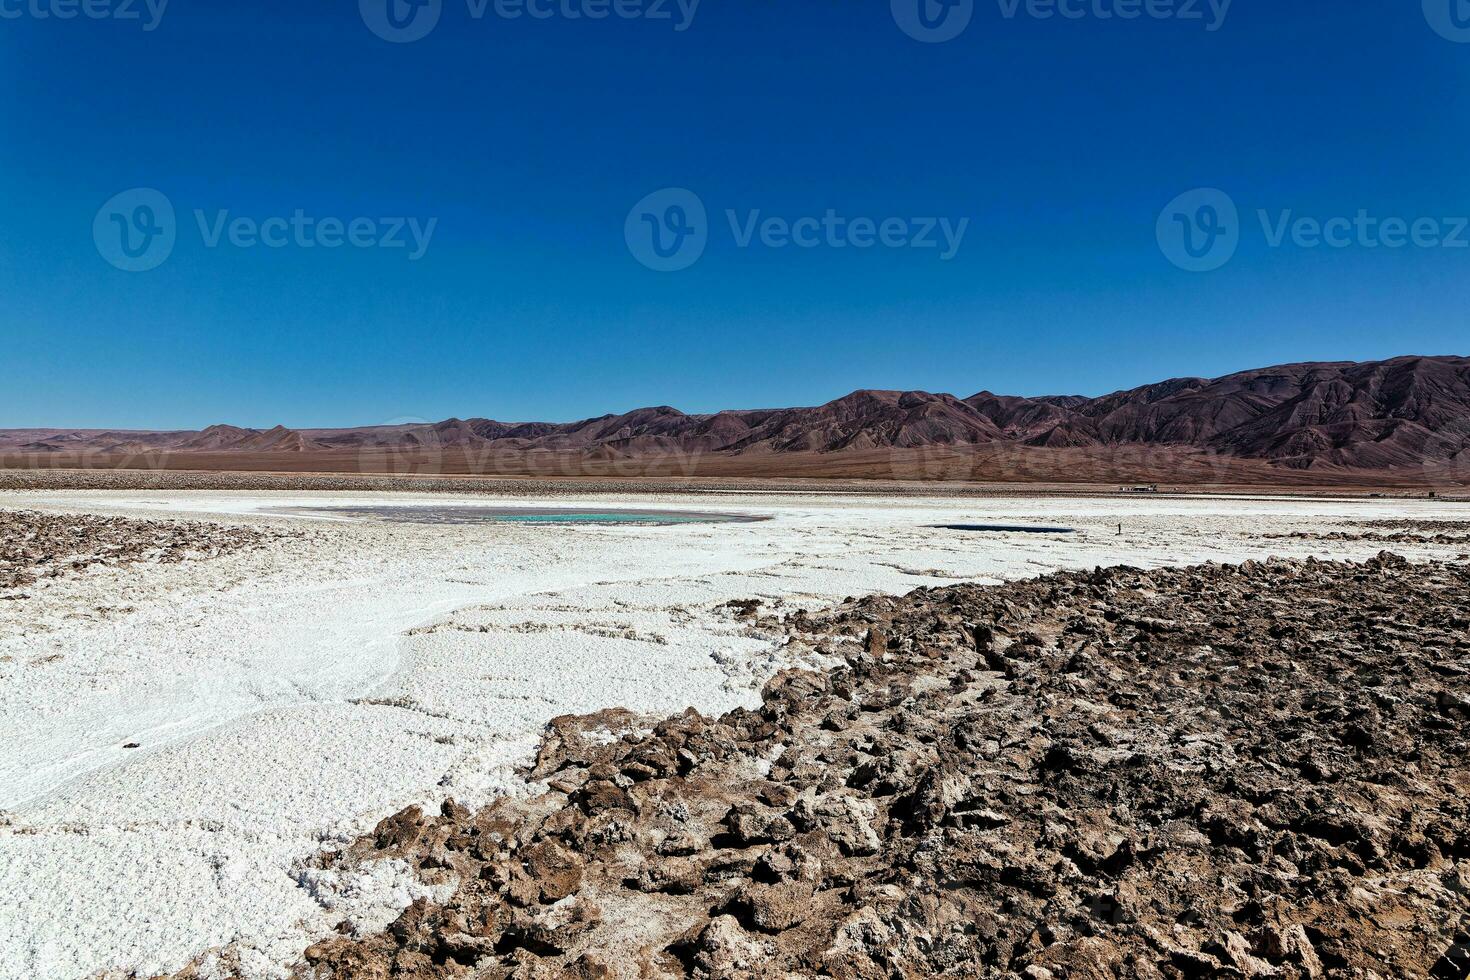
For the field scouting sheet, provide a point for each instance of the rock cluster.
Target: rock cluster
(1374, 537)
(1392, 532)
(36, 545)
(1417, 524)
(1218, 771)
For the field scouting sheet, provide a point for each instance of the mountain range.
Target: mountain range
(1407, 412)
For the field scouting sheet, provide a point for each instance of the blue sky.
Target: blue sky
(526, 142)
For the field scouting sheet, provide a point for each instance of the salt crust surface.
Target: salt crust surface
(287, 699)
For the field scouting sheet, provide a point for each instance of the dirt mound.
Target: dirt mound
(1255, 771)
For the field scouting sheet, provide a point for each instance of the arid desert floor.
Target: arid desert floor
(195, 708)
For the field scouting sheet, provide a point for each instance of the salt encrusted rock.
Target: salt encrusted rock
(1214, 771)
(724, 950)
(773, 908)
(36, 545)
(400, 830)
(555, 869)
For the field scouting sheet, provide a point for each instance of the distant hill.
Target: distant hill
(1380, 415)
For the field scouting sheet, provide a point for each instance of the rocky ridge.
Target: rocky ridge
(1404, 413)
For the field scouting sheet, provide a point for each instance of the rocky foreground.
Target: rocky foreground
(1256, 771)
(35, 545)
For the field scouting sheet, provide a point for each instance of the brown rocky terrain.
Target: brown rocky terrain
(36, 545)
(1393, 532)
(1218, 771)
(1405, 416)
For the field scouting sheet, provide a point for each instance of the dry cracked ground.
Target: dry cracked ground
(1219, 771)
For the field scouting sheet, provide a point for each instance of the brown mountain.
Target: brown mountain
(1407, 412)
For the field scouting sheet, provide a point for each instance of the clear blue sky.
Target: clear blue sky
(530, 140)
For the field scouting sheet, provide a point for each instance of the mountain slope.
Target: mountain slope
(1405, 412)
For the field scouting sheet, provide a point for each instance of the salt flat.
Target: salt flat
(285, 700)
